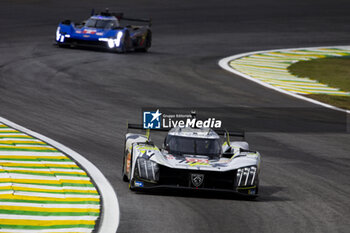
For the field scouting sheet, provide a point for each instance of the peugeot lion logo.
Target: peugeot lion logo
(197, 179)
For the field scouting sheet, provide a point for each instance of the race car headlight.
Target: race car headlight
(118, 39)
(110, 43)
(147, 169)
(246, 176)
(113, 42)
(58, 34)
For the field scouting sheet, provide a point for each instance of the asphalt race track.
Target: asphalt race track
(83, 98)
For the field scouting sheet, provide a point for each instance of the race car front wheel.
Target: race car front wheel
(125, 178)
(126, 44)
(131, 185)
(61, 45)
(124, 169)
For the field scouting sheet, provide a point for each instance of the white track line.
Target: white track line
(224, 63)
(110, 207)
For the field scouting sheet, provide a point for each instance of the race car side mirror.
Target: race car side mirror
(227, 152)
(226, 149)
(166, 147)
(150, 143)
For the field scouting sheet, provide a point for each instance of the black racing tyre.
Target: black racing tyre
(63, 45)
(148, 42)
(126, 45)
(131, 185)
(149, 39)
(125, 177)
(257, 185)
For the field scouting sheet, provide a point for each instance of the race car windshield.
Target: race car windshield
(99, 23)
(193, 146)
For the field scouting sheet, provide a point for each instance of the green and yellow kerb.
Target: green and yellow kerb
(42, 189)
(272, 68)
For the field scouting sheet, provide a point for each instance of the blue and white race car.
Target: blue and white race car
(105, 31)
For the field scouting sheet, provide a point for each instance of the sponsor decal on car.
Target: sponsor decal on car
(128, 163)
(170, 157)
(138, 183)
(89, 31)
(197, 162)
(191, 161)
(144, 148)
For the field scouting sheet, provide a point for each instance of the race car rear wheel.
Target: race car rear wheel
(148, 42)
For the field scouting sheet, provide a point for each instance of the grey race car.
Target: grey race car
(191, 158)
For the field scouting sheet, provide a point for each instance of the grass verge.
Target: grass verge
(333, 71)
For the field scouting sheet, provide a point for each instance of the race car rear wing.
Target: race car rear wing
(140, 126)
(120, 16)
(221, 132)
(227, 135)
(231, 133)
(149, 21)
